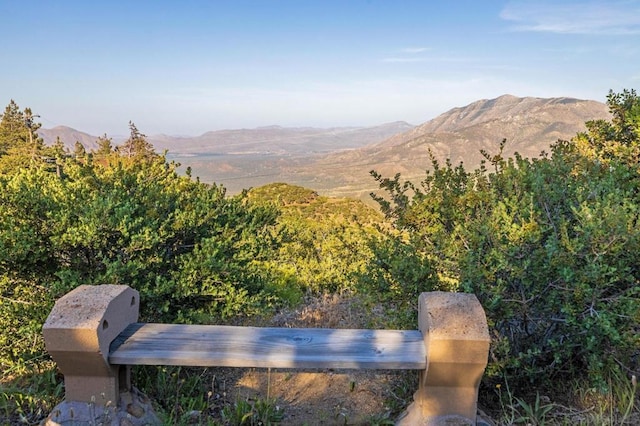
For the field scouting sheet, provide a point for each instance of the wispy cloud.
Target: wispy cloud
(576, 17)
(400, 59)
(408, 54)
(436, 59)
(414, 50)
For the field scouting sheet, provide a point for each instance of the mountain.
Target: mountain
(69, 136)
(529, 124)
(337, 161)
(277, 140)
(267, 141)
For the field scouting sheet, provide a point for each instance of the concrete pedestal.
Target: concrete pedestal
(77, 335)
(456, 337)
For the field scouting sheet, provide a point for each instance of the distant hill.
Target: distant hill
(271, 140)
(530, 126)
(337, 161)
(276, 140)
(69, 136)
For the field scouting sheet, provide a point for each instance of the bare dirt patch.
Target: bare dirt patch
(324, 397)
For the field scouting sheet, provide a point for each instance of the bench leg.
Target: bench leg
(77, 334)
(456, 336)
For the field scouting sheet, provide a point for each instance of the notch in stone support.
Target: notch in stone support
(77, 335)
(456, 336)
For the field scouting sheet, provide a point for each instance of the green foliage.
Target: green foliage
(618, 139)
(179, 392)
(396, 274)
(192, 252)
(253, 413)
(13, 129)
(105, 147)
(429, 221)
(516, 410)
(136, 147)
(324, 240)
(20, 145)
(32, 394)
(548, 245)
(535, 413)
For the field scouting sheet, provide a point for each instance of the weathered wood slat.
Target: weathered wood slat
(229, 346)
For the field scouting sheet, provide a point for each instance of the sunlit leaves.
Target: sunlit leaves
(549, 245)
(190, 250)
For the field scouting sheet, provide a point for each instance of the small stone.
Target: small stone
(194, 416)
(452, 420)
(126, 398)
(135, 410)
(125, 422)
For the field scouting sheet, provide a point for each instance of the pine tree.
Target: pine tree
(105, 147)
(58, 149)
(20, 145)
(79, 151)
(137, 147)
(13, 129)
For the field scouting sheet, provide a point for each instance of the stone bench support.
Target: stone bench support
(456, 338)
(84, 323)
(77, 335)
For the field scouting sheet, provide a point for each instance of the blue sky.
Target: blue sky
(186, 67)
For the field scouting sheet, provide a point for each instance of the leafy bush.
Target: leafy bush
(550, 246)
(324, 240)
(192, 252)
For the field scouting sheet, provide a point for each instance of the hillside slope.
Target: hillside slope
(270, 140)
(530, 126)
(277, 140)
(337, 161)
(69, 136)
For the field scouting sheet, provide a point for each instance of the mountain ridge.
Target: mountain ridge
(272, 140)
(278, 140)
(337, 161)
(69, 136)
(530, 125)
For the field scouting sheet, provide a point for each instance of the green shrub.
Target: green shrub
(550, 247)
(324, 240)
(192, 252)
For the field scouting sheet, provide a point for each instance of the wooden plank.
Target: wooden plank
(230, 346)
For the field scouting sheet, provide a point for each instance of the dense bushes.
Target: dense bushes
(190, 251)
(554, 264)
(549, 245)
(195, 254)
(324, 241)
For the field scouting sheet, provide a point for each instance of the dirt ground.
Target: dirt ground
(324, 397)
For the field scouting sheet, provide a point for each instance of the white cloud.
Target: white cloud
(414, 50)
(581, 17)
(408, 54)
(411, 59)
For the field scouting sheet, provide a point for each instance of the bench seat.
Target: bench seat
(231, 346)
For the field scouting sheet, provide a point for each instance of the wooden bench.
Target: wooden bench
(93, 335)
(229, 346)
